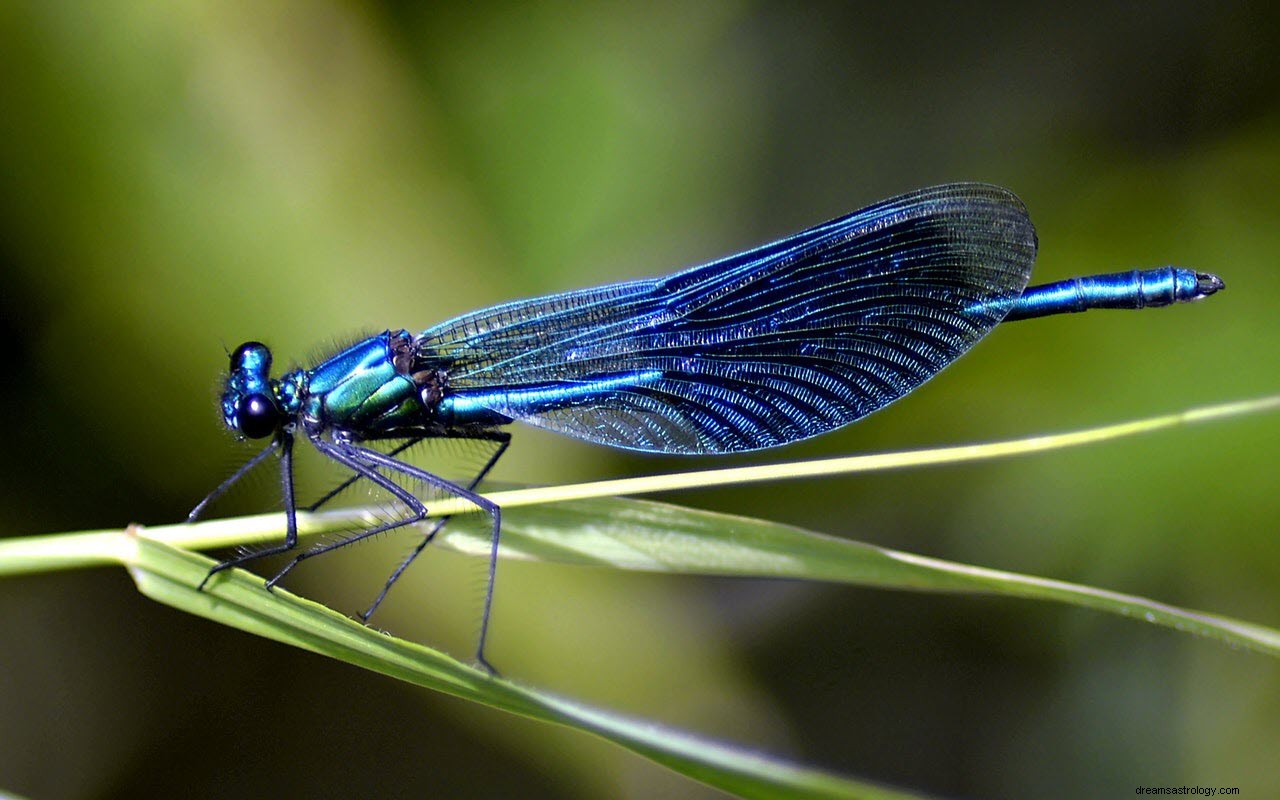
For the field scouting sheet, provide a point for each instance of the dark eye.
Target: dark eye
(257, 416)
(254, 356)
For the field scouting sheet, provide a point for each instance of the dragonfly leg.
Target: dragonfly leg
(229, 482)
(373, 460)
(504, 440)
(356, 459)
(342, 487)
(290, 508)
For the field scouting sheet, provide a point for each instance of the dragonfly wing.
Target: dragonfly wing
(773, 345)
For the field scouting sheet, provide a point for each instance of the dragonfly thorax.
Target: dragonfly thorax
(369, 390)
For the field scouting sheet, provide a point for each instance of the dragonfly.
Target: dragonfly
(773, 345)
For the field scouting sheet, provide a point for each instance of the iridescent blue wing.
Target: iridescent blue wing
(773, 345)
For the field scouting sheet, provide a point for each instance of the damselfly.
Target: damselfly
(777, 344)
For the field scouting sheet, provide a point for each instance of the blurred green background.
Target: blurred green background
(176, 178)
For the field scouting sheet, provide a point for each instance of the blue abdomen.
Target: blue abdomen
(500, 405)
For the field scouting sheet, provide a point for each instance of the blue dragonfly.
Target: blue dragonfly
(773, 345)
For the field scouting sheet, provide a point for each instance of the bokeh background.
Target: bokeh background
(180, 177)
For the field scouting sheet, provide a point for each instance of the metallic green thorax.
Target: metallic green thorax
(363, 388)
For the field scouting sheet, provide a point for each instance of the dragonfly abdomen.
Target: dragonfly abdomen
(500, 404)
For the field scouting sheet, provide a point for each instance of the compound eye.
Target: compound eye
(254, 356)
(257, 416)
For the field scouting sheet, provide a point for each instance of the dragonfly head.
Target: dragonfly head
(249, 403)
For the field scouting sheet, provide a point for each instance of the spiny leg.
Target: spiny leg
(355, 459)
(504, 440)
(342, 487)
(374, 458)
(245, 469)
(290, 511)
